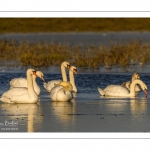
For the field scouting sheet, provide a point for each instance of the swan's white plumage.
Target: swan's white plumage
(22, 82)
(113, 90)
(22, 94)
(15, 95)
(119, 91)
(50, 84)
(62, 92)
(72, 71)
(18, 82)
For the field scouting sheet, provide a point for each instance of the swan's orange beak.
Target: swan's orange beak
(145, 92)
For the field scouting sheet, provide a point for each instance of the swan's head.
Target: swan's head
(32, 72)
(73, 69)
(40, 75)
(141, 83)
(135, 76)
(145, 92)
(66, 64)
(68, 86)
(144, 88)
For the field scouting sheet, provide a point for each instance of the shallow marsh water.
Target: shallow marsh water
(87, 112)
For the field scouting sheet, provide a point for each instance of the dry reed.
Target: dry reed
(43, 54)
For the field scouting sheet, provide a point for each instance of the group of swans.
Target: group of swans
(22, 82)
(63, 90)
(49, 85)
(22, 94)
(127, 89)
(26, 90)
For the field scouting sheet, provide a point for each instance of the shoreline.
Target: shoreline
(81, 70)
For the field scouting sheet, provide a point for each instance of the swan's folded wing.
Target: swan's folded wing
(54, 91)
(14, 94)
(116, 90)
(18, 82)
(49, 85)
(126, 84)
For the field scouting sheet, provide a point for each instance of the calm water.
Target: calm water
(88, 112)
(88, 38)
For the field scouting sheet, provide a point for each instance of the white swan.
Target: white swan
(49, 85)
(73, 71)
(22, 82)
(22, 94)
(120, 91)
(62, 92)
(128, 83)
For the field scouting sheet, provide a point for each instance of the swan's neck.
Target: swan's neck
(132, 86)
(34, 81)
(30, 85)
(72, 80)
(63, 72)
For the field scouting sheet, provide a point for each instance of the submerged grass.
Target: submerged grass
(43, 54)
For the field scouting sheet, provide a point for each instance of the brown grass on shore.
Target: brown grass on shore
(43, 54)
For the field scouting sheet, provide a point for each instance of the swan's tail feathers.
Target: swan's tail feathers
(12, 82)
(101, 91)
(5, 100)
(2, 99)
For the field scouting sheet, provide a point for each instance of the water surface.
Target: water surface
(77, 38)
(87, 112)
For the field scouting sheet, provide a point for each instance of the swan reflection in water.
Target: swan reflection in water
(25, 114)
(64, 111)
(115, 104)
(138, 106)
(139, 111)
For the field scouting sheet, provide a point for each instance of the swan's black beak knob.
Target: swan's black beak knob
(68, 66)
(34, 72)
(75, 71)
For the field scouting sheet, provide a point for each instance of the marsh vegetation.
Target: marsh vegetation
(14, 53)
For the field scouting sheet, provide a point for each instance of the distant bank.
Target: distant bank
(35, 25)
